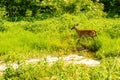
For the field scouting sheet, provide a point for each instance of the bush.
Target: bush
(114, 31)
(39, 27)
(95, 46)
(49, 8)
(33, 28)
(112, 7)
(3, 28)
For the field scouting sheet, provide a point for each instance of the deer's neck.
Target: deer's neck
(76, 29)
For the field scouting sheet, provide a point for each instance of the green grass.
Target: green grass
(55, 35)
(109, 69)
(22, 40)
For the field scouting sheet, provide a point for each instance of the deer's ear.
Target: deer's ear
(77, 24)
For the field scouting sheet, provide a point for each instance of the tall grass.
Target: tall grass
(108, 70)
(55, 35)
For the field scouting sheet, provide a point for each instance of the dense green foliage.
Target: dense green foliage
(55, 34)
(112, 7)
(95, 46)
(19, 7)
(3, 28)
(114, 31)
(38, 28)
(49, 8)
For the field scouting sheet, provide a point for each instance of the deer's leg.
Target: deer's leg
(85, 39)
(93, 38)
(78, 41)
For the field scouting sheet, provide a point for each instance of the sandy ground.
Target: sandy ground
(75, 59)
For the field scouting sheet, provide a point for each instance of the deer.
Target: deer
(84, 33)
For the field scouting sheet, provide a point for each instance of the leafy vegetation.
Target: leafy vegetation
(109, 69)
(17, 9)
(112, 7)
(55, 34)
(39, 28)
(3, 28)
(95, 46)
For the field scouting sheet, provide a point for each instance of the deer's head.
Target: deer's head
(75, 25)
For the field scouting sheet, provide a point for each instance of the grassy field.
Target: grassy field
(22, 40)
(109, 69)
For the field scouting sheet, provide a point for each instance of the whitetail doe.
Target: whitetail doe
(84, 33)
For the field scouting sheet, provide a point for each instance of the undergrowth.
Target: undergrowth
(55, 35)
(108, 70)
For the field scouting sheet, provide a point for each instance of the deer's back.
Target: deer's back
(86, 33)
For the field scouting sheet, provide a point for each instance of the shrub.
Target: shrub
(44, 9)
(112, 7)
(114, 31)
(95, 46)
(9, 73)
(3, 28)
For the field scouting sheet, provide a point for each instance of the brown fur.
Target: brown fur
(84, 33)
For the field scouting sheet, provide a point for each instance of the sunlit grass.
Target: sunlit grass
(54, 35)
(108, 69)
(24, 40)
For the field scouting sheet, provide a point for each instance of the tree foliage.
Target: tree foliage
(15, 8)
(110, 6)
(19, 7)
